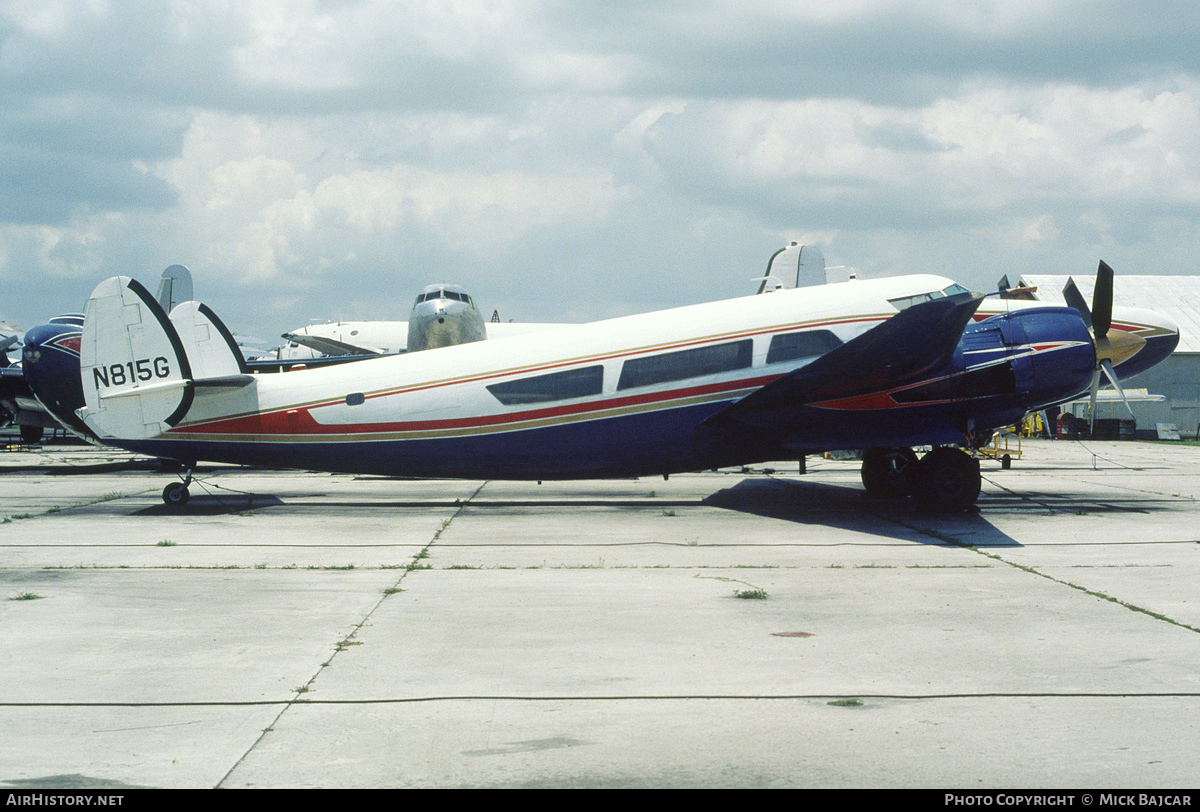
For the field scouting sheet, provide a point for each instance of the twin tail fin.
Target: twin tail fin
(140, 367)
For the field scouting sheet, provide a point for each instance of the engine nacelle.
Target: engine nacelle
(1048, 349)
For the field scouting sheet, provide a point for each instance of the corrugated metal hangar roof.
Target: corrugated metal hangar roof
(1176, 297)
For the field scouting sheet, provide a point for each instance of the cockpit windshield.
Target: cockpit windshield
(904, 302)
(443, 293)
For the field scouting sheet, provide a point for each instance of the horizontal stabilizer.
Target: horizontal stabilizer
(224, 381)
(144, 389)
(134, 370)
(329, 346)
(904, 349)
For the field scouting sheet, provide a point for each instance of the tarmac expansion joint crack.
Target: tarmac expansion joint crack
(348, 640)
(951, 540)
(1093, 593)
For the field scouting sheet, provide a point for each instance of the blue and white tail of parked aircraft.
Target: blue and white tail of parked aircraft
(883, 365)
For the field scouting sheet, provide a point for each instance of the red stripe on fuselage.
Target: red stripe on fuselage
(300, 421)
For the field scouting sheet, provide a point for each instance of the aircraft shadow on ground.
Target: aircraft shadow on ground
(213, 505)
(849, 508)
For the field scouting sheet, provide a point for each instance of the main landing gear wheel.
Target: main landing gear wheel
(947, 480)
(887, 473)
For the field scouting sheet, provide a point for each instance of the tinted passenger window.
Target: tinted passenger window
(674, 366)
(791, 346)
(573, 383)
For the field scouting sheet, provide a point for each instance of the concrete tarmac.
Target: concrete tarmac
(722, 629)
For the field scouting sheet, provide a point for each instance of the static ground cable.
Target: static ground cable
(618, 698)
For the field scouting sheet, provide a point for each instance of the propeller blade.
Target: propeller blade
(1102, 300)
(1092, 405)
(1075, 299)
(1111, 374)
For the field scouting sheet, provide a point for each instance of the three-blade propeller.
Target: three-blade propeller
(1110, 349)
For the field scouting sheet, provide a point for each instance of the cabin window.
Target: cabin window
(810, 343)
(571, 383)
(674, 366)
(356, 399)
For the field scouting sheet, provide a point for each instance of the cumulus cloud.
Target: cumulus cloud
(567, 160)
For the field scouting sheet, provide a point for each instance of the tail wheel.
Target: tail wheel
(947, 480)
(887, 473)
(176, 495)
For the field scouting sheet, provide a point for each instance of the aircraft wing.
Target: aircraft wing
(905, 349)
(329, 346)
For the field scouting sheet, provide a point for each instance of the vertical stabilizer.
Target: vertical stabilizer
(174, 287)
(135, 374)
(211, 349)
(794, 266)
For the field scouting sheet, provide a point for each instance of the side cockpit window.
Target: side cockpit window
(905, 302)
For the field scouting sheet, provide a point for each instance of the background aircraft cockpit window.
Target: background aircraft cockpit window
(572, 383)
(674, 366)
(790, 346)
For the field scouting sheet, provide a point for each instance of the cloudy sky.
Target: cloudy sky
(572, 160)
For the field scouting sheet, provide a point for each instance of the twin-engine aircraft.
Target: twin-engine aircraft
(882, 365)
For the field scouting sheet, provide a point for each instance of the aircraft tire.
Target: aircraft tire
(947, 481)
(887, 473)
(175, 495)
(32, 435)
